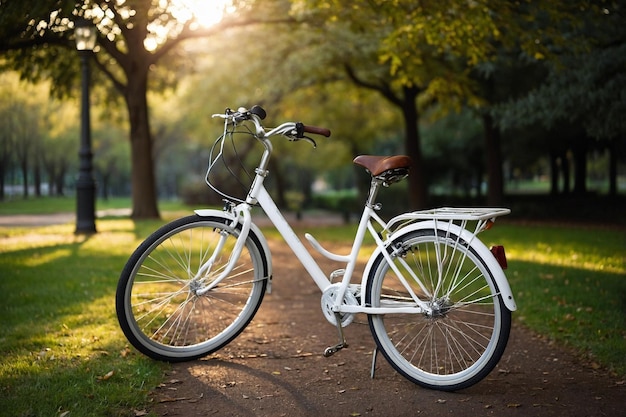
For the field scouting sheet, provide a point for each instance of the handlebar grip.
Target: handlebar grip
(317, 130)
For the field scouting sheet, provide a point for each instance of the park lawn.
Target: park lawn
(59, 334)
(570, 285)
(61, 344)
(50, 205)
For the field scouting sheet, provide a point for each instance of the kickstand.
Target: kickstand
(374, 356)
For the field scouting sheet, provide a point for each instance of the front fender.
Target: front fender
(256, 232)
(475, 243)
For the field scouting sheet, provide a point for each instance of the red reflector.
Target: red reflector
(498, 252)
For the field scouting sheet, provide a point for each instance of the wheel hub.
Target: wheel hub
(194, 286)
(440, 307)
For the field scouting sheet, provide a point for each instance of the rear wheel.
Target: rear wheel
(464, 337)
(157, 305)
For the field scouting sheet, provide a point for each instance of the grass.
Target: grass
(570, 285)
(62, 348)
(49, 205)
(62, 345)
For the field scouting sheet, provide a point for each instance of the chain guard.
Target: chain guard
(328, 301)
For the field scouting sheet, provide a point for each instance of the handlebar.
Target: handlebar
(293, 131)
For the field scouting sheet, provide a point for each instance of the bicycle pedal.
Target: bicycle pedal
(331, 350)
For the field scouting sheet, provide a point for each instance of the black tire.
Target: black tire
(464, 338)
(157, 307)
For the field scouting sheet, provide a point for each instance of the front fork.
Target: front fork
(240, 211)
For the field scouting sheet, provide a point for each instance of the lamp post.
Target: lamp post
(85, 36)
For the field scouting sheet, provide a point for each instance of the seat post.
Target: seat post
(373, 192)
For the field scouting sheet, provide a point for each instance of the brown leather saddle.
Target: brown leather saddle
(389, 169)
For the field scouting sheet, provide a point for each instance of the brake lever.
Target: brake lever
(295, 138)
(310, 140)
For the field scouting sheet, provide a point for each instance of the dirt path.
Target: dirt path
(276, 368)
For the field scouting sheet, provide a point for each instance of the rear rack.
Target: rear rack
(484, 216)
(459, 213)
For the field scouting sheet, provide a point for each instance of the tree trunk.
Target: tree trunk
(305, 180)
(281, 187)
(554, 172)
(495, 183)
(613, 149)
(2, 196)
(143, 184)
(60, 182)
(565, 165)
(24, 166)
(3, 173)
(579, 149)
(105, 187)
(37, 179)
(477, 182)
(408, 105)
(417, 181)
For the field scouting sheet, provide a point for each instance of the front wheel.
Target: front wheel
(157, 304)
(462, 339)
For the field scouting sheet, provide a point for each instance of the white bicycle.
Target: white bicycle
(437, 300)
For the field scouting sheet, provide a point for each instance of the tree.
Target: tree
(582, 95)
(111, 160)
(454, 153)
(7, 145)
(20, 132)
(389, 61)
(289, 74)
(60, 135)
(134, 35)
(419, 53)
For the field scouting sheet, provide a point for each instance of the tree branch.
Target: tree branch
(119, 86)
(188, 33)
(26, 43)
(383, 88)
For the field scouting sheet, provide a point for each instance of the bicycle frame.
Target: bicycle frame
(436, 298)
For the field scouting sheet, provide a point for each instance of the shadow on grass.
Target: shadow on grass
(101, 383)
(59, 333)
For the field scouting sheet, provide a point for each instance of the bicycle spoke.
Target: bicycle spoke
(158, 306)
(461, 334)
